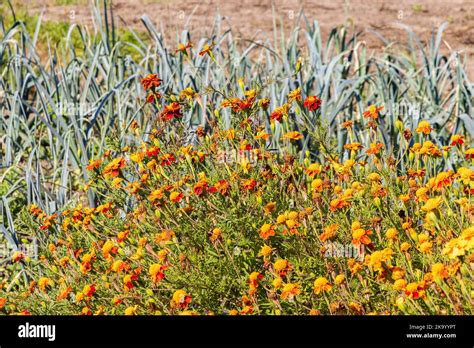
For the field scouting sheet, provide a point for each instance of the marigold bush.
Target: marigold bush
(227, 225)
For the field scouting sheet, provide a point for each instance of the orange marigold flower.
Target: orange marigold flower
(180, 299)
(151, 81)
(360, 235)
(282, 267)
(314, 169)
(338, 203)
(113, 168)
(171, 111)
(253, 282)
(2, 302)
(94, 164)
(312, 103)
(89, 290)
(295, 135)
(347, 124)
(457, 139)
(329, 232)
(295, 95)
(374, 148)
(222, 186)
(290, 290)
(415, 290)
(156, 272)
(216, 234)
(266, 231)
(279, 112)
(469, 154)
(353, 146)
(249, 184)
(167, 159)
(373, 112)
(183, 47)
(321, 285)
(207, 49)
(424, 127)
(176, 197)
(153, 97)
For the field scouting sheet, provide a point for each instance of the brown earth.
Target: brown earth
(254, 18)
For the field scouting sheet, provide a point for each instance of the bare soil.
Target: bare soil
(253, 19)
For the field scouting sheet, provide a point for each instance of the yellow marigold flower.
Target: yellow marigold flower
(405, 246)
(79, 296)
(313, 170)
(118, 266)
(422, 194)
(281, 219)
(423, 127)
(116, 182)
(293, 215)
(317, 185)
(466, 175)
(282, 266)
(422, 237)
(163, 254)
(391, 234)
(277, 283)
(321, 285)
(432, 204)
(290, 290)
(426, 247)
(400, 284)
(439, 271)
(460, 245)
(397, 273)
(45, 282)
(291, 223)
(339, 279)
(356, 307)
(216, 234)
(265, 251)
(137, 157)
(374, 177)
(130, 311)
(187, 93)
